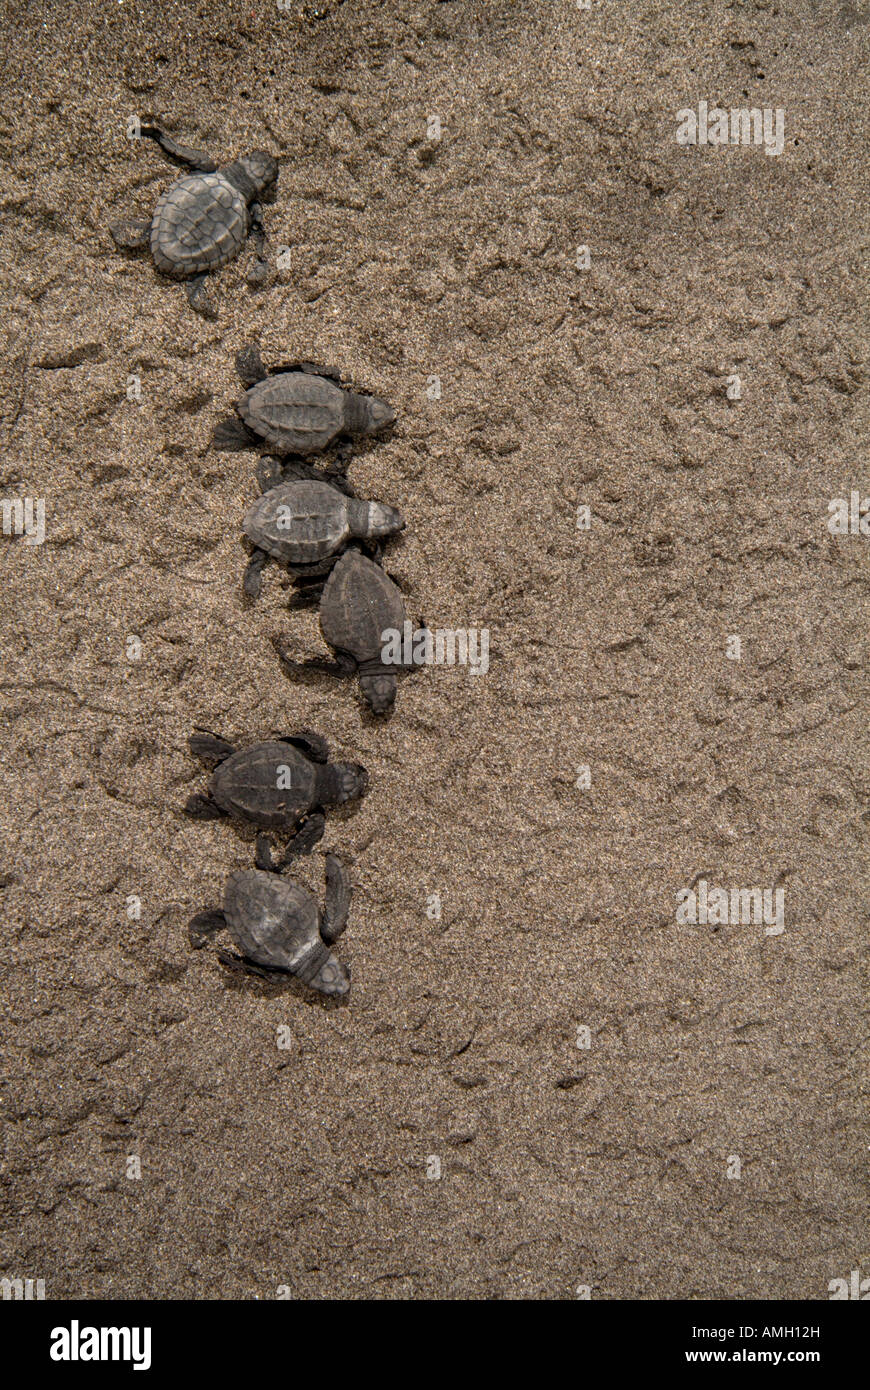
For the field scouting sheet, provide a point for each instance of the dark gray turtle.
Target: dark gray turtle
(298, 409)
(203, 219)
(279, 928)
(305, 523)
(358, 605)
(275, 785)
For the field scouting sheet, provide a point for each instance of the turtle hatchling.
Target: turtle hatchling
(275, 785)
(358, 605)
(204, 218)
(305, 523)
(279, 928)
(298, 409)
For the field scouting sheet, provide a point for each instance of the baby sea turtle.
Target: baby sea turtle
(305, 523)
(279, 928)
(274, 785)
(203, 219)
(298, 409)
(359, 603)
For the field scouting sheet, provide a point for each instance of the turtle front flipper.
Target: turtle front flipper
(197, 297)
(259, 272)
(343, 665)
(240, 965)
(132, 234)
(205, 925)
(314, 746)
(309, 369)
(313, 574)
(264, 857)
(306, 837)
(184, 155)
(337, 901)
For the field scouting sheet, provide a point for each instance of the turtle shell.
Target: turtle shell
(199, 224)
(359, 602)
(273, 922)
(297, 412)
(299, 522)
(246, 784)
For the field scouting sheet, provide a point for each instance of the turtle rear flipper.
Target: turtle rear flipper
(131, 234)
(249, 365)
(210, 747)
(231, 434)
(197, 297)
(201, 807)
(205, 925)
(337, 902)
(252, 581)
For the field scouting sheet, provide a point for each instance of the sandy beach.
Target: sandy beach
(630, 373)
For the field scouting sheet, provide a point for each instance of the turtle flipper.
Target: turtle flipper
(251, 583)
(184, 155)
(231, 434)
(197, 297)
(205, 925)
(239, 965)
(307, 836)
(132, 234)
(307, 594)
(209, 747)
(202, 807)
(337, 902)
(314, 746)
(342, 666)
(309, 368)
(264, 857)
(269, 472)
(259, 271)
(249, 365)
(314, 573)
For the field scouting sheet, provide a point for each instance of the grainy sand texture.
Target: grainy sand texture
(616, 1101)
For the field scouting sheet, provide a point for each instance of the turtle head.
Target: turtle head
(383, 520)
(348, 781)
(332, 979)
(260, 168)
(380, 415)
(380, 690)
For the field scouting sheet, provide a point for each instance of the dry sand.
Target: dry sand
(411, 258)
